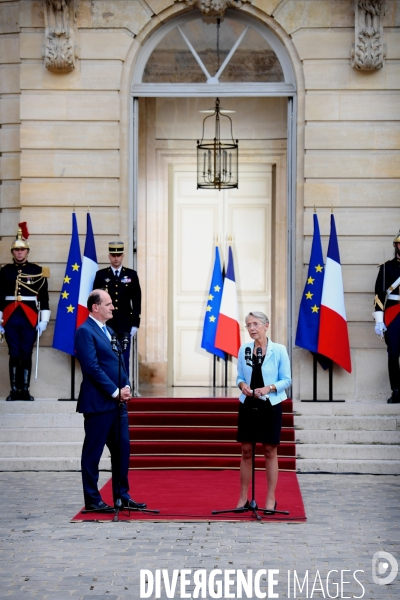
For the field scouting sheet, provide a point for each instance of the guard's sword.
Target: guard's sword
(37, 345)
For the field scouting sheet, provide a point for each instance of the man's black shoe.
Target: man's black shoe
(394, 398)
(132, 505)
(100, 507)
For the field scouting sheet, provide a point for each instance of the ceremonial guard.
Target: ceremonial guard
(123, 286)
(387, 315)
(24, 312)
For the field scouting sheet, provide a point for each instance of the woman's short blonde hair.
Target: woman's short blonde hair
(258, 315)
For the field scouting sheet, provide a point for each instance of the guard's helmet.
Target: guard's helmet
(21, 241)
(397, 239)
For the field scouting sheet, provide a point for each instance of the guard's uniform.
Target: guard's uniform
(126, 297)
(23, 288)
(387, 301)
(23, 292)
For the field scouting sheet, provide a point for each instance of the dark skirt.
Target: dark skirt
(259, 421)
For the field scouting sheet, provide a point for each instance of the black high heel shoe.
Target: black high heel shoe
(244, 507)
(269, 511)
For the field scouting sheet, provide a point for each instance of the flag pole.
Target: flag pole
(314, 377)
(72, 397)
(214, 369)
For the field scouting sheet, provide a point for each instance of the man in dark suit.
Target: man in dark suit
(123, 286)
(106, 419)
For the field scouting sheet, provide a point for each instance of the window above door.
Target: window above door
(195, 55)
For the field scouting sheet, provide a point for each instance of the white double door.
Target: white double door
(199, 219)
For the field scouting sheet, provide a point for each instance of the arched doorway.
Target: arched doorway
(180, 70)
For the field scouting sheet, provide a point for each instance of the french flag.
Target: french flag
(228, 332)
(89, 269)
(333, 339)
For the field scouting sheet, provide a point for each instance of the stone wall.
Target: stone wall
(351, 163)
(64, 143)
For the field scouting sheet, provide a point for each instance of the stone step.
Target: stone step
(371, 467)
(303, 436)
(348, 452)
(75, 420)
(346, 408)
(38, 463)
(319, 436)
(39, 406)
(40, 434)
(347, 423)
(40, 449)
(48, 421)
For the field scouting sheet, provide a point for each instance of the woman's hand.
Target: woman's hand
(260, 392)
(264, 391)
(246, 390)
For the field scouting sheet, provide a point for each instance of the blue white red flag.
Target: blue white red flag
(65, 325)
(212, 309)
(228, 330)
(89, 270)
(310, 305)
(333, 339)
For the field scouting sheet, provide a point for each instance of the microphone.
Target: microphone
(259, 356)
(114, 342)
(125, 341)
(247, 357)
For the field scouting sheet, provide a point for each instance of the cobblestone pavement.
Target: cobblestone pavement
(44, 556)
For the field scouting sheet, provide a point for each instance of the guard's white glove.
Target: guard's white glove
(380, 329)
(41, 326)
(133, 331)
(380, 326)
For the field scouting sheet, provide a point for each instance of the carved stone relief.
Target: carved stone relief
(368, 52)
(60, 34)
(215, 8)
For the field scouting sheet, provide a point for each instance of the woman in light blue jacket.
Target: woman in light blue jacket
(263, 376)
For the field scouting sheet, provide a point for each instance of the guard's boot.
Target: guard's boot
(394, 398)
(13, 369)
(26, 379)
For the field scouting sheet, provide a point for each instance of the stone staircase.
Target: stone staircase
(44, 435)
(349, 437)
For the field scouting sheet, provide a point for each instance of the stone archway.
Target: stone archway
(154, 350)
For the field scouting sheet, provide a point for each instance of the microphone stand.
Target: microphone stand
(118, 502)
(252, 505)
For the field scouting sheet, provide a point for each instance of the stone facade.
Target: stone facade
(64, 142)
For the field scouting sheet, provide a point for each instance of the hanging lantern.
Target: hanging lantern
(217, 161)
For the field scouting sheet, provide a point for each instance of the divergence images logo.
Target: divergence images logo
(380, 564)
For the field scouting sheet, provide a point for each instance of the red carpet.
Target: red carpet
(191, 495)
(196, 433)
